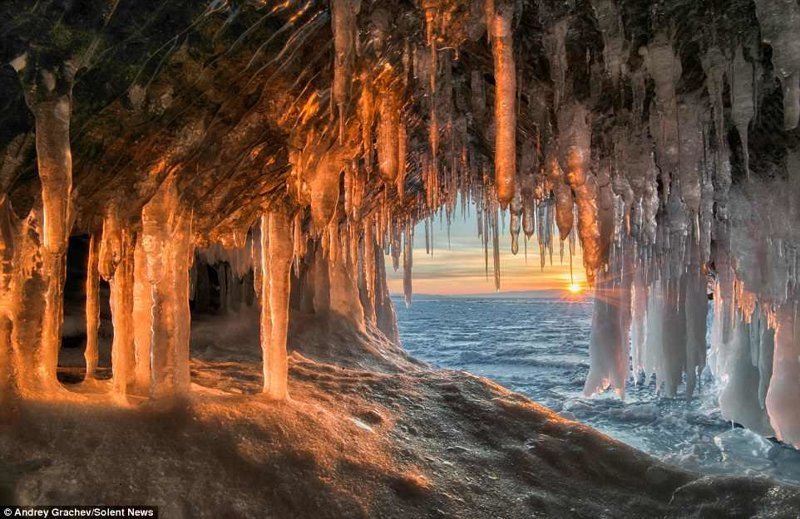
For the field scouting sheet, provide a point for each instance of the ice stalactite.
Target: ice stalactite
(343, 25)
(388, 139)
(692, 153)
(495, 231)
(779, 20)
(665, 69)
(614, 44)
(505, 99)
(369, 257)
(515, 224)
(555, 43)
(575, 141)
(92, 305)
(402, 158)
(408, 250)
(276, 261)
(563, 200)
(366, 114)
(742, 101)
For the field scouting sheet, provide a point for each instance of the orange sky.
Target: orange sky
(459, 268)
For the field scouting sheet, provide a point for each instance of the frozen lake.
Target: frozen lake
(540, 347)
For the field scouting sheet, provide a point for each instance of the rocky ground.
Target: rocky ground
(352, 443)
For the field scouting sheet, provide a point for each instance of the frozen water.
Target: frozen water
(540, 347)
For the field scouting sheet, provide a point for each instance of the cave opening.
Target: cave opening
(215, 216)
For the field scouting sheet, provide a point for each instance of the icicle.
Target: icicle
(610, 24)
(640, 298)
(92, 310)
(529, 216)
(298, 243)
(408, 248)
(563, 199)
(489, 13)
(388, 136)
(366, 112)
(369, 258)
(276, 260)
(496, 247)
(516, 222)
(478, 95)
(665, 69)
(575, 141)
(324, 186)
(779, 20)
(505, 103)
(555, 46)
(742, 101)
(401, 161)
(691, 152)
(343, 25)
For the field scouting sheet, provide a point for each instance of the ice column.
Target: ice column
(608, 346)
(122, 348)
(276, 262)
(92, 305)
(50, 100)
(784, 389)
(166, 241)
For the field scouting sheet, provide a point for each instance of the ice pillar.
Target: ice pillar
(92, 306)
(168, 251)
(50, 100)
(784, 389)
(276, 261)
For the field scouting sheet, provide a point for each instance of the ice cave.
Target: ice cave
(203, 204)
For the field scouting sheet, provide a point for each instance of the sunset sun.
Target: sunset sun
(574, 288)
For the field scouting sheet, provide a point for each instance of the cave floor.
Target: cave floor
(351, 443)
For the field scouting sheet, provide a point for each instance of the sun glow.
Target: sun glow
(574, 288)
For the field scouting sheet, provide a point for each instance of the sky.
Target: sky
(458, 268)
